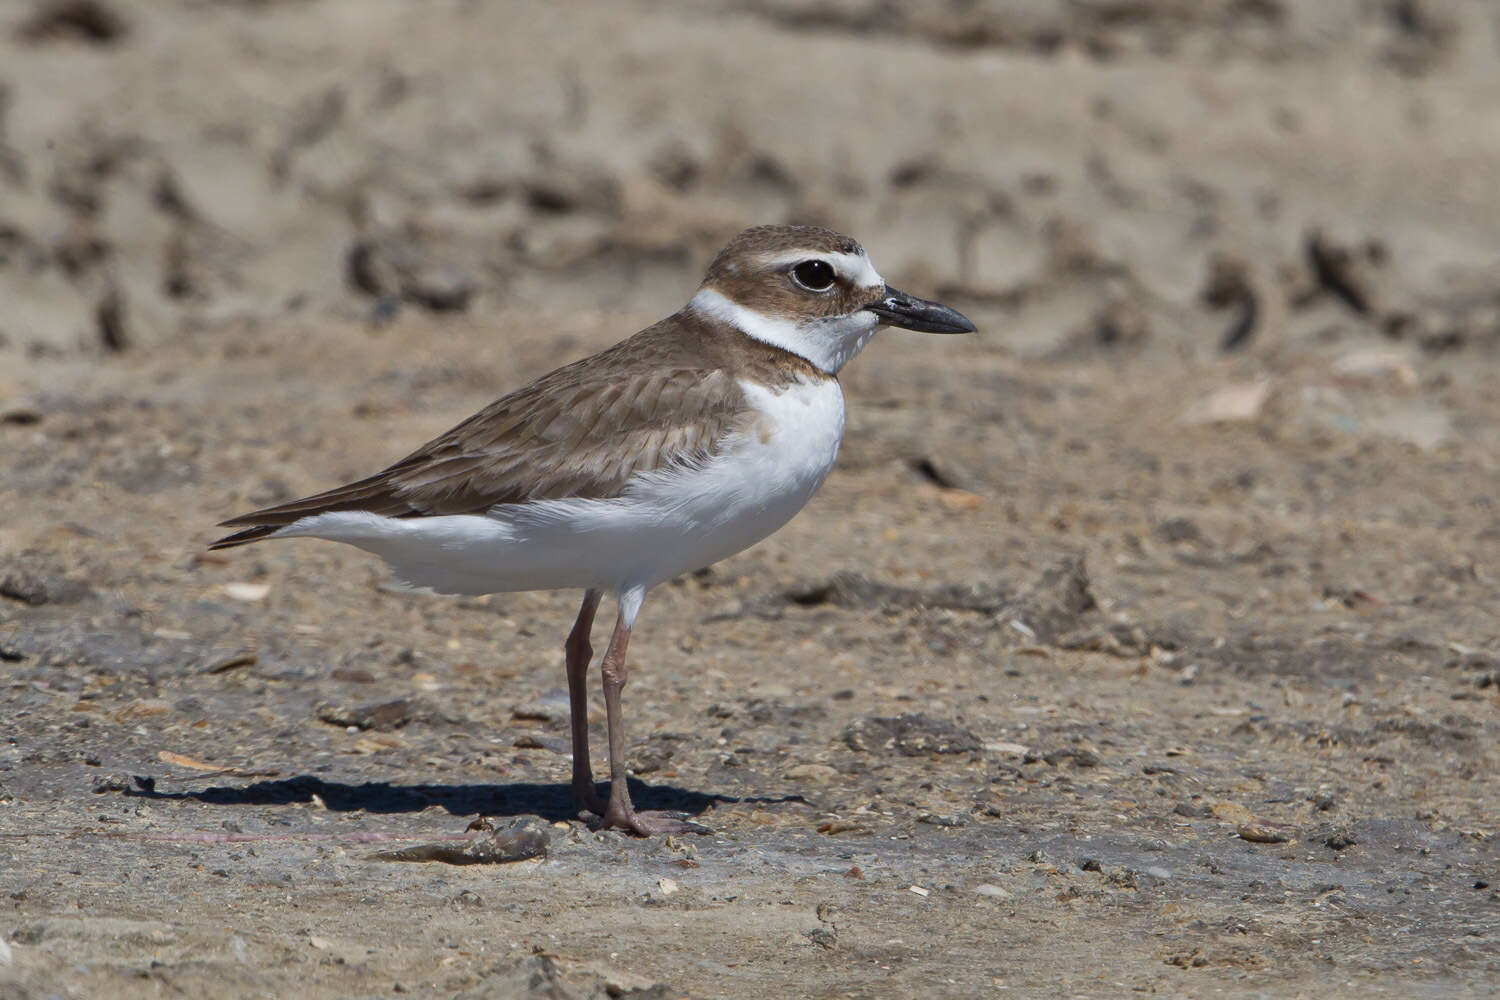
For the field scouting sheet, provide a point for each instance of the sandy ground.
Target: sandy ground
(1145, 642)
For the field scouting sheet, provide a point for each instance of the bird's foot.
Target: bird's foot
(648, 823)
(589, 801)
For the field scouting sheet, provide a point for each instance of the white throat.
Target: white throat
(828, 342)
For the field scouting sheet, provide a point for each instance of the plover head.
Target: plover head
(812, 292)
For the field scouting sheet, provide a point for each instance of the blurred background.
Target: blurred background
(1145, 640)
(1083, 175)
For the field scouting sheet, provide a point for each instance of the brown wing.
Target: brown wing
(581, 431)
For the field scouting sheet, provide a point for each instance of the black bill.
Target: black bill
(911, 313)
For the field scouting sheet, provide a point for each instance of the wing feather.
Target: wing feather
(582, 431)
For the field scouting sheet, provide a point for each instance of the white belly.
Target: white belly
(666, 522)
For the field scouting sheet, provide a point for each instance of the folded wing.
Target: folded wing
(583, 431)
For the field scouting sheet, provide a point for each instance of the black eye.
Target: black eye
(814, 275)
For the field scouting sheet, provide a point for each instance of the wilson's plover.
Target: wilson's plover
(693, 439)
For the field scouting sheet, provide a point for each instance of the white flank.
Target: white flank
(828, 342)
(668, 522)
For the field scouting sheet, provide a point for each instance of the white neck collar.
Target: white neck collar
(829, 343)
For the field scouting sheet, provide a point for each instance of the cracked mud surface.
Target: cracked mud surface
(1108, 660)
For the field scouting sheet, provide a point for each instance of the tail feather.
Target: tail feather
(370, 495)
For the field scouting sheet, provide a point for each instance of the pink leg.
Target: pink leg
(579, 652)
(619, 811)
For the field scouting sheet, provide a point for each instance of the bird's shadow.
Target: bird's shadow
(549, 801)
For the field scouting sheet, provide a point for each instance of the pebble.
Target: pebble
(385, 716)
(1234, 403)
(243, 591)
(992, 891)
(1259, 834)
(537, 741)
(810, 772)
(821, 937)
(142, 708)
(551, 707)
(1340, 840)
(36, 589)
(668, 886)
(1080, 756)
(110, 783)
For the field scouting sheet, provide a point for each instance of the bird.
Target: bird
(677, 447)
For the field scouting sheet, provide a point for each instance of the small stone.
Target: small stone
(1196, 959)
(243, 591)
(552, 707)
(822, 937)
(810, 772)
(439, 290)
(386, 715)
(1235, 403)
(86, 20)
(36, 589)
(1156, 871)
(538, 741)
(225, 664)
(946, 473)
(1257, 833)
(992, 891)
(1080, 756)
(650, 758)
(145, 708)
(668, 886)
(467, 900)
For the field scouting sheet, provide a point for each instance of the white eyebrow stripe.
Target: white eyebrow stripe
(855, 267)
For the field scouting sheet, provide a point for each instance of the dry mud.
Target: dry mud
(1145, 642)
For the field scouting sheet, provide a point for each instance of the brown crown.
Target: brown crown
(740, 272)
